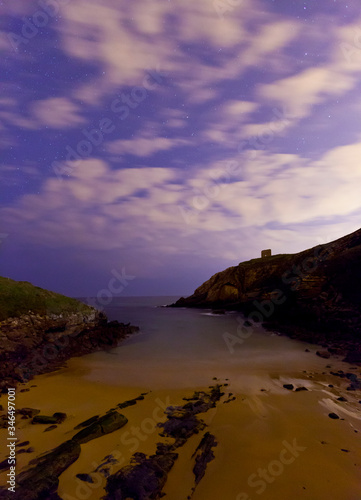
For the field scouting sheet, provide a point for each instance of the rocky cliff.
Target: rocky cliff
(39, 330)
(314, 294)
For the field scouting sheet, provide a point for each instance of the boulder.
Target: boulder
(143, 479)
(103, 425)
(323, 354)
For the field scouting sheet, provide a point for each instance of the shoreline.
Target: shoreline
(237, 424)
(267, 400)
(53, 351)
(337, 343)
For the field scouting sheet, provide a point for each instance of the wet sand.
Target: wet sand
(255, 432)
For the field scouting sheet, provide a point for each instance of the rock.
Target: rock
(323, 354)
(346, 451)
(307, 350)
(131, 402)
(288, 386)
(44, 419)
(322, 304)
(298, 389)
(60, 416)
(143, 479)
(51, 428)
(37, 338)
(85, 477)
(57, 418)
(4, 465)
(103, 425)
(40, 479)
(333, 415)
(182, 425)
(28, 412)
(23, 443)
(341, 399)
(87, 422)
(182, 422)
(355, 382)
(203, 455)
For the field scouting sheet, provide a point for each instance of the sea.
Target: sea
(272, 441)
(180, 347)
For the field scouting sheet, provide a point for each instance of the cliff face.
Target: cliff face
(41, 339)
(318, 290)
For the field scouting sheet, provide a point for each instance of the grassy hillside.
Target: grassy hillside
(20, 297)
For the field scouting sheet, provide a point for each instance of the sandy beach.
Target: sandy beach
(272, 441)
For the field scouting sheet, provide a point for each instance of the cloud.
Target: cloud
(144, 146)
(57, 112)
(100, 208)
(301, 92)
(155, 38)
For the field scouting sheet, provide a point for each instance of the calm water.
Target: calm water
(186, 347)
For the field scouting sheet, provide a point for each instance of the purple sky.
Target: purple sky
(167, 140)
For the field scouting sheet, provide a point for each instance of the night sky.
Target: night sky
(146, 145)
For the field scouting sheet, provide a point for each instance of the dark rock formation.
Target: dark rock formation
(44, 419)
(40, 480)
(42, 338)
(313, 295)
(131, 402)
(323, 354)
(103, 425)
(143, 479)
(28, 412)
(87, 422)
(203, 455)
(182, 422)
(57, 418)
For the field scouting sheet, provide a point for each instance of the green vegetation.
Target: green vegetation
(20, 297)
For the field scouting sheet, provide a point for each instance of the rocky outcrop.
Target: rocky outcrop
(313, 295)
(203, 455)
(32, 345)
(143, 479)
(36, 342)
(110, 422)
(40, 478)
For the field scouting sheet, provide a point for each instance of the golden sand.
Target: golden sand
(254, 433)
